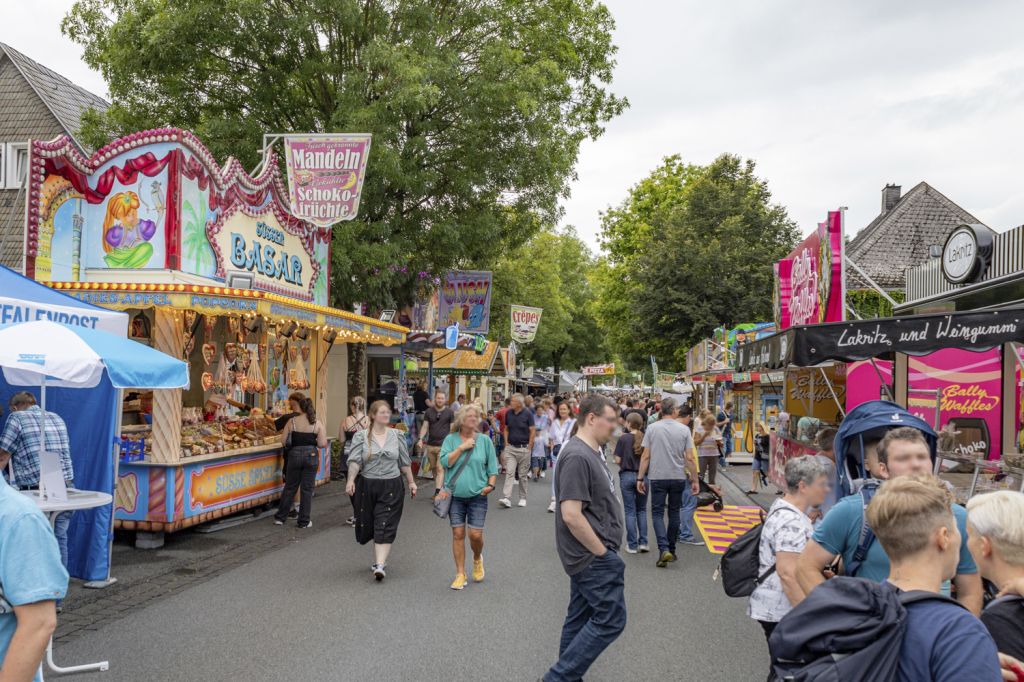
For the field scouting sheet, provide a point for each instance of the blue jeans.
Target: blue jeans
(635, 506)
(60, 530)
(468, 511)
(686, 514)
(595, 618)
(667, 492)
(726, 450)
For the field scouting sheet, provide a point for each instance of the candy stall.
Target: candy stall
(211, 267)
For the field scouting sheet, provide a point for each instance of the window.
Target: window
(16, 164)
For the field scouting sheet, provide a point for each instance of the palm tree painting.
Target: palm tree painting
(198, 253)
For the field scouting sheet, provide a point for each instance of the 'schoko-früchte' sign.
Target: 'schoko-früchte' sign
(599, 370)
(325, 175)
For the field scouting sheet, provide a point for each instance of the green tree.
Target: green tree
(712, 264)
(477, 108)
(626, 235)
(551, 271)
(690, 249)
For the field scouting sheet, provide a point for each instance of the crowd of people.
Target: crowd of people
(957, 573)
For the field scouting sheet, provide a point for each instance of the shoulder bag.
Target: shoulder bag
(443, 503)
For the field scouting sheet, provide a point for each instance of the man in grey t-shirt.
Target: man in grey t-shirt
(666, 454)
(588, 534)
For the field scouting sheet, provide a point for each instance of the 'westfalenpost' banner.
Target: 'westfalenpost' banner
(525, 321)
(325, 175)
(465, 300)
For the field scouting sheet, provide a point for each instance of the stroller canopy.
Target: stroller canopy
(865, 423)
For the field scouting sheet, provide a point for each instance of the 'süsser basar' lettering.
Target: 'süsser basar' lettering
(261, 258)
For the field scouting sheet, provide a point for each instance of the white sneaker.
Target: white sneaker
(542, 474)
(505, 502)
(378, 572)
(522, 503)
(644, 549)
(551, 507)
(630, 551)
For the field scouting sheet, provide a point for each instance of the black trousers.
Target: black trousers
(301, 465)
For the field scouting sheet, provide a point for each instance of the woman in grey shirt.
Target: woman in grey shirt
(378, 460)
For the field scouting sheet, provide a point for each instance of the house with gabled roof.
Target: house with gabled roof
(35, 104)
(901, 236)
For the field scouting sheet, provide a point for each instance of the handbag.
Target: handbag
(443, 504)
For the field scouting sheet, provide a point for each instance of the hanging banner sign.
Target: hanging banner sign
(599, 370)
(325, 175)
(465, 300)
(525, 321)
(809, 282)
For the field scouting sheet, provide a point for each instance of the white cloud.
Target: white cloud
(833, 102)
(32, 27)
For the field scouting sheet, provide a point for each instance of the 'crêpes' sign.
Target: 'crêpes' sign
(325, 175)
(278, 259)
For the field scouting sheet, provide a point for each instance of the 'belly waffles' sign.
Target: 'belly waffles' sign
(809, 282)
(325, 176)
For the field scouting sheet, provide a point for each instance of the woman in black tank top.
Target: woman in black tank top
(304, 436)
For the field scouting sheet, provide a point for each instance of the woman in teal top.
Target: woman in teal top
(469, 492)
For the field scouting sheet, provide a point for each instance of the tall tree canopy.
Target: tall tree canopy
(691, 248)
(551, 271)
(477, 108)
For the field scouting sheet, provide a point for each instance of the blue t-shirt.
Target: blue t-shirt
(30, 568)
(946, 643)
(839, 533)
(727, 429)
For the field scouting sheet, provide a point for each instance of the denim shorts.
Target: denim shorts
(468, 511)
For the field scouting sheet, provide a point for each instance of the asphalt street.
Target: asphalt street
(311, 611)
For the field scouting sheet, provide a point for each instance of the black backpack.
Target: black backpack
(846, 630)
(740, 567)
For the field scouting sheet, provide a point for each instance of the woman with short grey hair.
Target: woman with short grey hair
(787, 528)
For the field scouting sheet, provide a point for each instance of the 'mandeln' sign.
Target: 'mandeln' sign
(325, 176)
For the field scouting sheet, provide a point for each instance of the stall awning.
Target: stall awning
(213, 300)
(467, 362)
(812, 345)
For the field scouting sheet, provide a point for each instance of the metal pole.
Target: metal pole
(110, 580)
(871, 282)
(832, 391)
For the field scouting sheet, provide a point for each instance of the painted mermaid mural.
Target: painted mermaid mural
(126, 237)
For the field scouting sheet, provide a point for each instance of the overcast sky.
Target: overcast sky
(833, 100)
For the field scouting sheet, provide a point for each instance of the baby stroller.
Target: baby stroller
(864, 425)
(710, 496)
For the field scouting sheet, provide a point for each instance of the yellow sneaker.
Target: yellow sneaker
(478, 569)
(459, 582)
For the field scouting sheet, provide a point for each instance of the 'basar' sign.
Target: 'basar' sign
(325, 176)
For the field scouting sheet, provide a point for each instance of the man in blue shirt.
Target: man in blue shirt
(28, 430)
(943, 641)
(902, 452)
(724, 420)
(32, 578)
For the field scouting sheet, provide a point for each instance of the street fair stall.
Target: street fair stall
(974, 399)
(899, 340)
(91, 423)
(46, 355)
(211, 267)
(468, 371)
